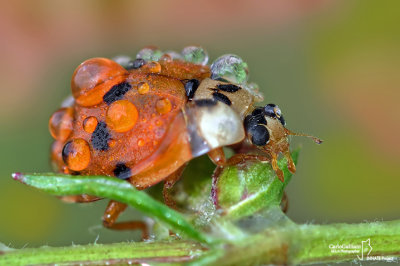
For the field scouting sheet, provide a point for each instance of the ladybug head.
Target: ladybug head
(265, 128)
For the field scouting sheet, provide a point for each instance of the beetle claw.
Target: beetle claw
(278, 171)
(290, 164)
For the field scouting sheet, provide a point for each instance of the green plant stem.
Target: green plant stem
(312, 241)
(252, 230)
(307, 244)
(101, 254)
(295, 244)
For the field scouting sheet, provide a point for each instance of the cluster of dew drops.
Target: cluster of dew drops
(76, 153)
(228, 68)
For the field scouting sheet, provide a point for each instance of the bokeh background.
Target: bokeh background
(332, 66)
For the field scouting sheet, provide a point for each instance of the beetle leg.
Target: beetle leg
(243, 157)
(244, 147)
(278, 171)
(290, 164)
(169, 182)
(113, 210)
(80, 198)
(217, 156)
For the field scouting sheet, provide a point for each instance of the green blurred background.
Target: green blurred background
(332, 66)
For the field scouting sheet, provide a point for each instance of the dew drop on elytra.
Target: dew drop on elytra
(195, 54)
(230, 68)
(149, 54)
(173, 55)
(123, 60)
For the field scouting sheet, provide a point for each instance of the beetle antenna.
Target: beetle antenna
(315, 139)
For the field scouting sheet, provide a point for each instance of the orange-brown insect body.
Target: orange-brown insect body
(142, 120)
(129, 132)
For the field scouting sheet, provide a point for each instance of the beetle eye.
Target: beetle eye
(272, 110)
(260, 135)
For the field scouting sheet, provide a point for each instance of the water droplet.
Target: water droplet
(56, 156)
(195, 54)
(174, 55)
(91, 80)
(254, 89)
(61, 123)
(68, 102)
(166, 58)
(153, 67)
(90, 124)
(163, 106)
(143, 88)
(149, 54)
(123, 60)
(76, 154)
(230, 68)
(159, 123)
(140, 142)
(121, 116)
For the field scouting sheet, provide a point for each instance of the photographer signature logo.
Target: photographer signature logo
(363, 251)
(365, 247)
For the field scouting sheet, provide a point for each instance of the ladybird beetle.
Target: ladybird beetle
(142, 120)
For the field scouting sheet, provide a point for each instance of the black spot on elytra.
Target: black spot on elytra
(117, 92)
(222, 98)
(205, 102)
(122, 171)
(100, 137)
(228, 87)
(259, 135)
(191, 87)
(135, 64)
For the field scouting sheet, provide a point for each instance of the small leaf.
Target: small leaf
(231, 187)
(243, 192)
(112, 188)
